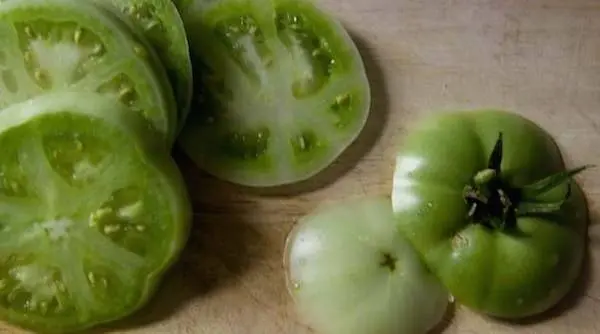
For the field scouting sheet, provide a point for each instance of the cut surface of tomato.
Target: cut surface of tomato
(284, 90)
(91, 212)
(71, 45)
(162, 26)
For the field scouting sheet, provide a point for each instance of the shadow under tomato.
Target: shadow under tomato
(443, 325)
(594, 231)
(222, 247)
(366, 140)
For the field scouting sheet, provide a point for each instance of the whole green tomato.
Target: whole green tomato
(485, 198)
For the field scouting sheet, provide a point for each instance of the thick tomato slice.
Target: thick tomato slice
(68, 45)
(92, 212)
(284, 90)
(162, 26)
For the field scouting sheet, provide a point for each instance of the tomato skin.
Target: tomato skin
(511, 273)
(348, 272)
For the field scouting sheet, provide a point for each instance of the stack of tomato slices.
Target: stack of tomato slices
(93, 208)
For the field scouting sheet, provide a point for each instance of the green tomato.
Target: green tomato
(349, 272)
(284, 90)
(162, 26)
(485, 198)
(93, 212)
(73, 45)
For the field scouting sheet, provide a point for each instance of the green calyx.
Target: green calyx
(495, 204)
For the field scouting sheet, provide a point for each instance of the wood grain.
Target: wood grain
(540, 58)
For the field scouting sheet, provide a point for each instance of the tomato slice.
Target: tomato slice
(162, 26)
(93, 212)
(284, 90)
(350, 272)
(59, 45)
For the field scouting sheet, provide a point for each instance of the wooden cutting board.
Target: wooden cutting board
(540, 58)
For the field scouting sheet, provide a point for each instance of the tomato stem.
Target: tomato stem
(494, 203)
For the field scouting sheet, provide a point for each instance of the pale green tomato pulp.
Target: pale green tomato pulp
(162, 26)
(72, 45)
(93, 211)
(282, 90)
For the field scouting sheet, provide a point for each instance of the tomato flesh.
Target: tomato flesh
(67, 45)
(283, 90)
(162, 26)
(91, 214)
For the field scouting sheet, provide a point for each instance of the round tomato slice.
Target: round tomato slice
(162, 26)
(60, 45)
(284, 90)
(350, 272)
(93, 212)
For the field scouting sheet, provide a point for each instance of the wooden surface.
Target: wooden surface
(538, 58)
